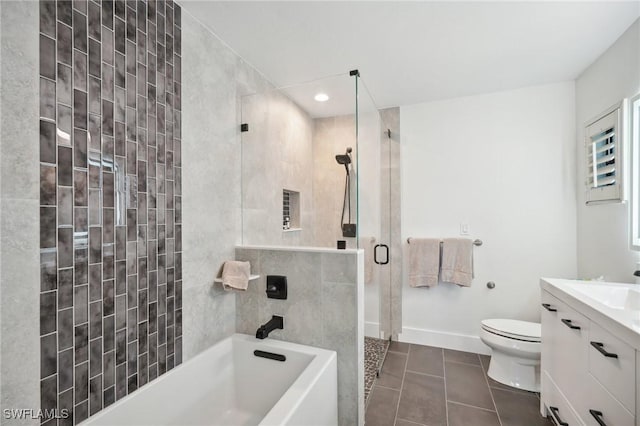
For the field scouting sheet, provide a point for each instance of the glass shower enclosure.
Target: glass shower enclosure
(313, 164)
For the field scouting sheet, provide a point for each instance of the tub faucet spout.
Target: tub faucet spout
(275, 322)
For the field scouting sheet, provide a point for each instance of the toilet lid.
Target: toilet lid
(515, 329)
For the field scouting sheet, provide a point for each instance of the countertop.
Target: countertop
(624, 323)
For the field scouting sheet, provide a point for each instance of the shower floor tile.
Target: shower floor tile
(375, 351)
(423, 385)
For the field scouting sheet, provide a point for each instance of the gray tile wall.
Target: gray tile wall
(110, 200)
(331, 136)
(324, 308)
(277, 154)
(211, 99)
(19, 203)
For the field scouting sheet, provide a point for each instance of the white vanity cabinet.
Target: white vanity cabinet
(588, 363)
(563, 360)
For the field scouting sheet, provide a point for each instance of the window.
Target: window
(635, 172)
(604, 157)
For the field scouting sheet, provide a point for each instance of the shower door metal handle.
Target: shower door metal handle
(375, 254)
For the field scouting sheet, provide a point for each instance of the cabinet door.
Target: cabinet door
(611, 362)
(567, 351)
(556, 405)
(550, 327)
(601, 408)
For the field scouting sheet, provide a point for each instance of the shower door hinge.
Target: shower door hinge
(244, 127)
(354, 72)
(389, 133)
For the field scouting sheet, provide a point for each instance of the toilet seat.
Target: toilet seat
(513, 329)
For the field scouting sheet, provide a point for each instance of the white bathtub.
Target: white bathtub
(228, 385)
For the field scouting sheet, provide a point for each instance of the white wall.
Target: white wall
(603, 239)
(504, 163)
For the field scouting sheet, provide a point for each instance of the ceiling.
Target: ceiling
(411, 52)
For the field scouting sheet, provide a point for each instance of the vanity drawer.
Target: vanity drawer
(612, 362)
(556, 405)
(600, 404)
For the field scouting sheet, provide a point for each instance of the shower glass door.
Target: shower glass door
(313, 173)
(372, 200)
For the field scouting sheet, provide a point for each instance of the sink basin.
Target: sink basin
(614, 296)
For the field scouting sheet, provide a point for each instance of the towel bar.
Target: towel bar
(475, 242)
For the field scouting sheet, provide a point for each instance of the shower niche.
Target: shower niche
(290, 210)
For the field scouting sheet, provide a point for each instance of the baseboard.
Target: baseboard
(441, 339)
(372, 329)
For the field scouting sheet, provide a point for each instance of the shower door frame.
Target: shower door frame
(382, 251)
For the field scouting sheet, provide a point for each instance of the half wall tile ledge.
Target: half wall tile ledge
(298, 249)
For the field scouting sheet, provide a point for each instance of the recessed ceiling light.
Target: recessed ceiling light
(321, 97)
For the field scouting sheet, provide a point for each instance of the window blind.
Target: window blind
(604, 158)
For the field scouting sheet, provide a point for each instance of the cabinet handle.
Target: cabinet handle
(555, 412)
(569, 324)
(549, 308)
(598, 416)
(600, 347)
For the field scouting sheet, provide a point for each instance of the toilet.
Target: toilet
(515, 347)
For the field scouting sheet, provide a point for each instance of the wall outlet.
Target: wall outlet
(464, 229)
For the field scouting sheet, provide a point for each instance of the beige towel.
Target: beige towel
(235, 275)
(368, 244)
(424, 262)
(457, 261)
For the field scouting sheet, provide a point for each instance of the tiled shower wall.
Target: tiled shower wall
(277, 154)
(110, 200)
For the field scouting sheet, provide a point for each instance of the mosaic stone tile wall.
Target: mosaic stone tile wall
(110, 200)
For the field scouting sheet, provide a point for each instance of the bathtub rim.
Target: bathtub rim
(289, 402)
(284, 407)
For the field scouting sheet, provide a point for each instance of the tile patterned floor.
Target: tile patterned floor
(422, 385)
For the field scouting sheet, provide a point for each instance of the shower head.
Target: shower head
(344, 158)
